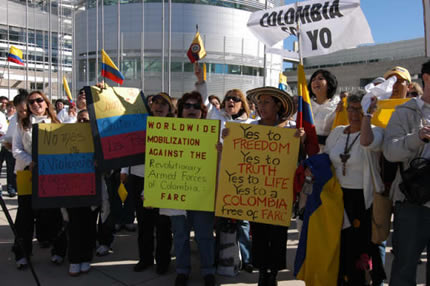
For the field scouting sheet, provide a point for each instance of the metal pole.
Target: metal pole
(74, 65)
(103, 24)
(50, 50)
(88, 60)
(264, 59)
(162, 46)
(26, 43)
(35, 45)
(142, 48)
(8, 46)
(119, 35)
(59, 45)
(97, 39)
(169, 72)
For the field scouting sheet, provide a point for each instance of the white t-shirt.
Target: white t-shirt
(353, 178)
(64, 116)
(324, 115)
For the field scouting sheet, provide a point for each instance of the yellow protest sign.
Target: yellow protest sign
(122, 192)
(117, 101)
(181, 163)
(23, 182)
(382, 115)
(257, 173)
(58, 138)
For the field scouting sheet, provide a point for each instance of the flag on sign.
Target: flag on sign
(110, 70)
(15, 56)
(67, 89)
(304, 114)
(196, 51)
(317, 256)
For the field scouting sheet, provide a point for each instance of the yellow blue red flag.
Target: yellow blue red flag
(305, 117)
(15, 56)
(110, 70)
(67, 89)
(318, 253)
(197, 50)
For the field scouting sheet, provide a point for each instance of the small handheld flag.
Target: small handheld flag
(110, 70)
(282, 82)
(67, 89)
(122, 192)
(196, 51)
(15, 56)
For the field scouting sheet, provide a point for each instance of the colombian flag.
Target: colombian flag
(110, 70)
(282, 82)
(15, 56)
(196, 51)
(304, 114)
(318, 254)
(67, 89)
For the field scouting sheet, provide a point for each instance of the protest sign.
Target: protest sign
(380, 118)
(64, 174)
(257, 173)
(118, 123)
(181, 163)
(325, 26)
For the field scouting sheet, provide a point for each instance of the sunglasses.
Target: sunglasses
(354, 109)
(38, 100)
(234, 98)
(412, 94)
(83, 120)
(195, 106)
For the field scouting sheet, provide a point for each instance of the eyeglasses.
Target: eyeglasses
(38, 100)
(195, 106)
(354, 109)
(412, 94)
(234, 98)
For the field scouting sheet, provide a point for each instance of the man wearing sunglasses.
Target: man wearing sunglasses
(69, 115)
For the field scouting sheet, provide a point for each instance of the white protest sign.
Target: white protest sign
(325, 26)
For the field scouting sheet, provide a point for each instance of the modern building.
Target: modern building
(235, 58)
(354, 68)
(43, 31)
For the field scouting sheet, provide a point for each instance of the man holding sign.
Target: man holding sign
(251, 184)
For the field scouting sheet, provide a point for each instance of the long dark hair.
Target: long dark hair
(26, 122)
(192, 95)
(331, 83)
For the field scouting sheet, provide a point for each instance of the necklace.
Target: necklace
(344, 157)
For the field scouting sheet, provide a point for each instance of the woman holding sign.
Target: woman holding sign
(149, 219)
(191, 106)
(269, 241)
(49, 222)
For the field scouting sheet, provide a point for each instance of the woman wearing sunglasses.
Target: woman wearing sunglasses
(149, 219)
(48, 221)
(191, 106)
(234, 107)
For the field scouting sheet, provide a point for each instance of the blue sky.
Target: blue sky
(390, 20)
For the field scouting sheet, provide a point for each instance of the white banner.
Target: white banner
(325, 26)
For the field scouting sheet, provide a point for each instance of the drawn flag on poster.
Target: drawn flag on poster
(118, 123)
(197, 51)
(326, 26)
(110, 70)
(64, 174)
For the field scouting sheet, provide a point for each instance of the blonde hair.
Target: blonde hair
(239, 93)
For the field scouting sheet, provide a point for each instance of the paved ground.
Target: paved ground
(116, 268)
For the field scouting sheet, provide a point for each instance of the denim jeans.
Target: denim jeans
(203, 223)
(244, 241)
(411, 235)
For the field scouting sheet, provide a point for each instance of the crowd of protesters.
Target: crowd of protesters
(367, 161)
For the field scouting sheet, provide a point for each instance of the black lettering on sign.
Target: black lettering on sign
(324, 35)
